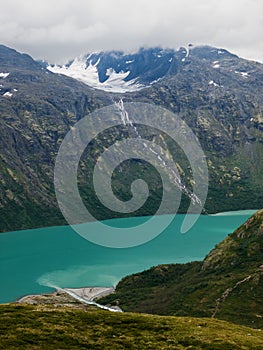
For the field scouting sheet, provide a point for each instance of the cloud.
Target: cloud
(61, 29)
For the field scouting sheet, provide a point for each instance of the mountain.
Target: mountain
(226, 285)
(217, 93)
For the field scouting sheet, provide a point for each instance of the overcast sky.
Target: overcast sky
(57, 30)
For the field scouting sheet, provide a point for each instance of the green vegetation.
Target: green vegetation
(35, 327)
(227, 121)
(227, 285)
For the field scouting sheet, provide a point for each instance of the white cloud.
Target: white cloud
(61, 29)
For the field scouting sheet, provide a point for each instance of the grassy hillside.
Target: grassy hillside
(227, 285)
(34, 327)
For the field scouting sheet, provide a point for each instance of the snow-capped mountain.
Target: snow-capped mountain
(116, 71)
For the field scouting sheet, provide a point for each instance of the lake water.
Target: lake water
(32, 260)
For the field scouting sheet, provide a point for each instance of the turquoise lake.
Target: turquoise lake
(33, 260)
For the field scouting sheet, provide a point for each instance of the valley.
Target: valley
(202, 289)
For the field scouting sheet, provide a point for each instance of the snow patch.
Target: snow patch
(243, 74)
(155, 81)
(211, 82)
(7, 94)
(216, 64)
(4, 75)
(89, 75)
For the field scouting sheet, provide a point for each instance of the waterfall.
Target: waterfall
(176, 179)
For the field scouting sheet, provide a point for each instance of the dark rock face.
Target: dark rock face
(218, 94)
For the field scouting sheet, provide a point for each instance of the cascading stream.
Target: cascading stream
(177, 180)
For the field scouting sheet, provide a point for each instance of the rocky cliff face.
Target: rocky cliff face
(215, 92)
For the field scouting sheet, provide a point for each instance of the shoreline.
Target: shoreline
(88, 292)
(235, 212)
(87, 289)
(223, 213)
(84, 295)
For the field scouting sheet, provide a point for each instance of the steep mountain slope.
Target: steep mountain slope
(228, 284)
(37, 109)
(215, 92)
(219, 95)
